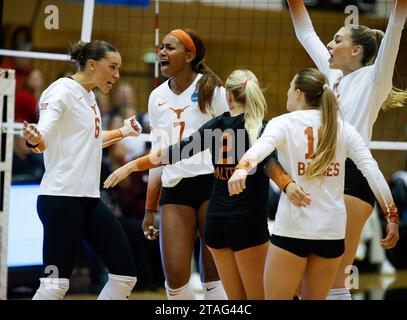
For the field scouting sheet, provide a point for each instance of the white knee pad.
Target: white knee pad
(117, 287)
(52, 289)
(182, 293)
(339, 294)
(214, 290)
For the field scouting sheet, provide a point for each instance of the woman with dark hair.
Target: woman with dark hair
(359, 63)
(69, 205)
(191, 96)
(236, 230)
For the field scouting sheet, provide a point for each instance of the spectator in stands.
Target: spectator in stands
(26, 98)
(21, 40)
(27, 166)
(130, 196)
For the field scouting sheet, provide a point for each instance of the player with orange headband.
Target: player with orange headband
(191, 96)
(240, 259)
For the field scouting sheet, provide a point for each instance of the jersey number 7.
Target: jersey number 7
(182, 127)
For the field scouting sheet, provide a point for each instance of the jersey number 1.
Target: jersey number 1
(309, 132)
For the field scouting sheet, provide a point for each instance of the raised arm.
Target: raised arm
(383, 67)
(131, 127)
(360, 154)
(307, 36)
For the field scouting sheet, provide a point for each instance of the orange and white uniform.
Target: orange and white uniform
(70, 124)
(173, 117)
(361, 93)
(294, 135)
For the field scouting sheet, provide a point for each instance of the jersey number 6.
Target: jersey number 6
(97, 127)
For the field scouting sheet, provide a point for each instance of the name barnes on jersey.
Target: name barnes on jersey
(332, 171)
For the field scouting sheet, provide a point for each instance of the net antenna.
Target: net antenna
(157, 42)
(86, 35)
(7, 89)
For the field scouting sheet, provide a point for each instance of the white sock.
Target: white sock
(117, 287)
(339, 294)
(214, 290)
(182, 293)
(52, 289)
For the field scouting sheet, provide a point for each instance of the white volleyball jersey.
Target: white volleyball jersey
(173, 117)
(295, 135)
(361, 93)
(70, 123)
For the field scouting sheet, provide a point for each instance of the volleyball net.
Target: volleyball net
(250, 34)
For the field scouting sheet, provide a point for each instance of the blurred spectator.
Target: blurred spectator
(67, 72)
(123, 101)
(103, 102)
(398, 186)
(26, 98)
(146, 123)
(129, 197)
(21, 40)
(27, 166)
(98, 273)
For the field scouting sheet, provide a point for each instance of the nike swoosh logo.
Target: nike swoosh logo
(162, 103)
(209, 289)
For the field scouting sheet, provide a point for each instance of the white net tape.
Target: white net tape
(17, 128)
(7, 89)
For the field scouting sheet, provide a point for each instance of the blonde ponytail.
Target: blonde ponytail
(245, 89)
(313, 84)
(397, 98)
(327, 136)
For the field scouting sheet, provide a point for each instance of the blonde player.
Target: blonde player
(313, 143)
(236, 230)
(69, 205)
(191, 96)
(359, 64)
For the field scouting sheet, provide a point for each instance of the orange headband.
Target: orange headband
(185, 39)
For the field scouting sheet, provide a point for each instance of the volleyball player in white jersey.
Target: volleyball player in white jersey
(69, 205)
(236, 230)
(313, 142)
(359, 64)
(192, 96)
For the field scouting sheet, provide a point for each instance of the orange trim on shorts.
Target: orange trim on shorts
(185, 39)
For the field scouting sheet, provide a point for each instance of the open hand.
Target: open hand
(117, 176)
